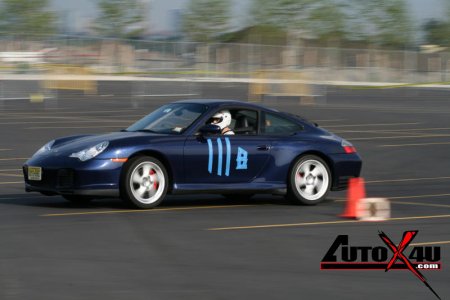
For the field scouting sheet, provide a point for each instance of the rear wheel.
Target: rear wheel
(309, 180)
(144, 182)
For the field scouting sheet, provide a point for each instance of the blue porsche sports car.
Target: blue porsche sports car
(197, 146)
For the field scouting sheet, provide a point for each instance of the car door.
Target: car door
(237, 158)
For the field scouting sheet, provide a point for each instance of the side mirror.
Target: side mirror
(210, 129)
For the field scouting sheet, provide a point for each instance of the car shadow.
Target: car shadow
(58, 202)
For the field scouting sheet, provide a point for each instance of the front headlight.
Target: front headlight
(46, 148)
(90, 153)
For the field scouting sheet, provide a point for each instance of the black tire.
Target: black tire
(300, 185)
(238, 197)
(78, 199)
(130, 189)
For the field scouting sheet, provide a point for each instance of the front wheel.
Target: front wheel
(309, 180)
(144, 182)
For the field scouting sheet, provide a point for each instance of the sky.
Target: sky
(78, 13)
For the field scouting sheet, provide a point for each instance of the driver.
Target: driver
(223, 120)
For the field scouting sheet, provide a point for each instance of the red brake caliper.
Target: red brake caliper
(155, 183)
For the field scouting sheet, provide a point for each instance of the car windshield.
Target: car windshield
(170, 119)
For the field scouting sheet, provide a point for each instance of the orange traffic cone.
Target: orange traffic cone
(355, 193)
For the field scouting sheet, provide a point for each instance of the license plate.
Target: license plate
(35, 173)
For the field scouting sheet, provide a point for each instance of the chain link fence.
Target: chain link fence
(53, 55)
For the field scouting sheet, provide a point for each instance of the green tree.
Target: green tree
(327, 20)
(437, 32)
(26, 17)
(320, 19)
(383, 22)
(285, 14)
(120, 18)
(206, 19)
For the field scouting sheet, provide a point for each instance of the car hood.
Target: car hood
(69, 145)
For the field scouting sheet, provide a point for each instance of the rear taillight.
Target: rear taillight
(348, 147)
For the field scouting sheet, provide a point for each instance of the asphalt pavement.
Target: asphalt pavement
(209, 247)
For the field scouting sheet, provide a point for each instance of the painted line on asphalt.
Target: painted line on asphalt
(14, 158)
(44, 117)
(399, 110)
(75, 112)
(412, 145)
(391, 130)
(11, 175)
(396, 133)
(323, 223)
(35, 196)
(76, 127)
(9, 170)
(397, 137)
(421, 204)
(419, 196)
(403, 197)
(167, 95)
(330, 120)
(430, 243)
(412, 203)
(65, 122)
(105, 212)
(69, 119)
(12, 182)
(407, 179)
(376, 124)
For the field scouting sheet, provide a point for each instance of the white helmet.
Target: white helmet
(221, 119)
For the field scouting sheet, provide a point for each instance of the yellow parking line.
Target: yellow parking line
(15, 158)
(25, 196)
(430, 243)
(322, 223)
(71, 112)
(9, 170)
(419, 196)
(143, 210)
(407, 179)
(391, 130)
(377, 124)
(65, 121)
(407, 145)
(13, 182)
(422, 204)
(76, 127)
(404, 132)
(329, 120)
(403, 197)
(11, 175)
(398, 137)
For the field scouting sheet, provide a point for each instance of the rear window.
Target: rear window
(276, 125)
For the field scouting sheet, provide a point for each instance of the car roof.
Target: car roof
(221, 102)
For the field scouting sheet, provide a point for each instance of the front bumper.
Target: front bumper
(69, 176)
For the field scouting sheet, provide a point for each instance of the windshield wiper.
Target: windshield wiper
(146, 130)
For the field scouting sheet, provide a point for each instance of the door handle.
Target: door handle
(263, 147)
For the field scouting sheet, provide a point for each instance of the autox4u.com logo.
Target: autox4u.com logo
(343, 256)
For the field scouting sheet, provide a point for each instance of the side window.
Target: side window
(276, 125)
(243, 121)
